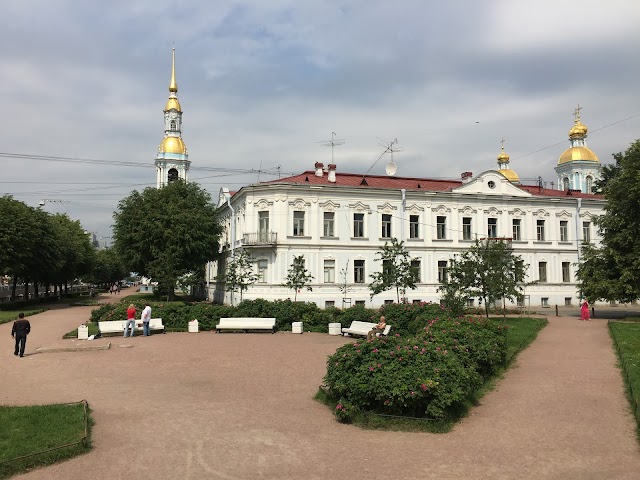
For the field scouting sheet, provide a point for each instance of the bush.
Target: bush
(411, 318)
(344, 411)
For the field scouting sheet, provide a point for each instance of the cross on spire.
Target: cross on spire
(502, 143)
(576, 113)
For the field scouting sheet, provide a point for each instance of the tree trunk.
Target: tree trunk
(35, 290)
(398, 294)
(26, 289)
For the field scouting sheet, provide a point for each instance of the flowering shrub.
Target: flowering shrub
(411, 318)
(428, 375)
(344, 411)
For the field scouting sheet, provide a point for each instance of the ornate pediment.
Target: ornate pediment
(493, 211)
(415, 209)
(330, 206)
(386, 208)
(359, 207)
(263, 203)
(564, 214)
(516, 212)
(441, 209)
(299, 203)
(540, 213)
(586, 214)
(467, 210)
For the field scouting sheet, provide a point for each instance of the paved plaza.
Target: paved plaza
(239, 406)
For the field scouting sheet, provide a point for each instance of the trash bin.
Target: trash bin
(296, 327)
(83, 332)
(193, 326)
(335, 329)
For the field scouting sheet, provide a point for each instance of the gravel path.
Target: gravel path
(239, 406)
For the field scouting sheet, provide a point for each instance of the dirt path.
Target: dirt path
(238, 406)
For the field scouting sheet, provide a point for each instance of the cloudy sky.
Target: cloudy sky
(263, 83)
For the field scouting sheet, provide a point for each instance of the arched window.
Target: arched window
(565, 183)
(588, 184)
(173, 124)
(172, 175)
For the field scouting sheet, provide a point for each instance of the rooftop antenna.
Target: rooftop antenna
(391, 167)
(334, 142)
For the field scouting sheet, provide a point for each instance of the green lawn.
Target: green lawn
(626, 340)
(93, 330)
(520, 333)
(31, 430)
(11, 315)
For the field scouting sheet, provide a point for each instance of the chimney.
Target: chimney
(466, 177)
(319, 166)
(332, 173)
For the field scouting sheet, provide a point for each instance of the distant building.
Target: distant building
(338, 221)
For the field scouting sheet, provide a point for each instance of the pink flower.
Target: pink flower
(423, 387)
(379, 365)
(413, 393)
(339, 406)
(375, 350)
(371, 369)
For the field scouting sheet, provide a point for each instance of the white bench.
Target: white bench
(117, 326)
(363, 328)
(245, 324)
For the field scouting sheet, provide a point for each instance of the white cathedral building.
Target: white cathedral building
(338, 221)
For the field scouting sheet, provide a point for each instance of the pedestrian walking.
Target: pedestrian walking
(146, 318)
(584, 311)
(131, 320)
(20, 330)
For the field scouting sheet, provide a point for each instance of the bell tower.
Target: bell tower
(172, 160)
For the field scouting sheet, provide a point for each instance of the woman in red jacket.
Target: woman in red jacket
(131, 320)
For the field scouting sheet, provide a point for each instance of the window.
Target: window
(542, 272)
(298, 224)
(492, 227)
(415, 267)
(386, 226)
(329, 304)
(517, 235)
(566, 272)
(567, 301)
(588, 182)
(263, 226)
(262, 271)
(360, 302)
(358, 271)
(358, 224)
(466, 228)
(565, 183)
(173, 125)
(329, 271)
(544, 301)
(328, 224)
(470, 302)
(441, 228)
(414, 226)
(388, 302)
(442, 271)
(564, 231)
(540, 230)
(586, 232)
(416, 301)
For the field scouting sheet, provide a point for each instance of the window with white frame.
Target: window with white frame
(564, 231)
(586, 232)
(567, 301)
(415, 268)
(263, 226)
(470, 302)
(516, 229)
(565, 183)
(328, 223)
(329, 271)
(386, 226)
(414, 226)
(442, 271)
(544, 301)
(329, 304)
(298, 223)
(566, 272)
(358, 225)
(542, 272)
(263, 265)
(466, 228)
(588, 183)
(492, 227)
(360, 303)
(358, 271)
(540, 230)
(441, 227)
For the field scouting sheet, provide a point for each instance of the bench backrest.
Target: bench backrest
(113, 325)
(267, 322)
(155, 322)
(356, 325)
(386, 330)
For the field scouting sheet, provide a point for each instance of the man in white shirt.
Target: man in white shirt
(146, 318)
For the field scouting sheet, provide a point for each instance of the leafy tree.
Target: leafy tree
(107, 269)
(298, 277)
(239, 275)
(488, 270)
(78, 255)
(166, 233)
(344, 286)
(612, 270)
(396, 270)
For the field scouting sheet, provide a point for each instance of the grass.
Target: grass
(37, 433)
(11, 315)
(93, 330)
(626, 339)
(521, 332)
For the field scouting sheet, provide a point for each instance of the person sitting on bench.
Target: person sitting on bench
(379, 328)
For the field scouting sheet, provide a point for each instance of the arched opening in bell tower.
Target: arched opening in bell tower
(172, 175)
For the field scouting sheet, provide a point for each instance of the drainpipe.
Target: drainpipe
(227, 197)
(578, 206)
(404, 206)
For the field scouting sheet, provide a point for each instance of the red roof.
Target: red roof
(409, 183)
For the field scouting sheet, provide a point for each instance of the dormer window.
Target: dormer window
(173, 124)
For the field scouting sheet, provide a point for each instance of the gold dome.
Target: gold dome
(578, 130)
(173, 145)
(503, 157)
(510, 175)
(172, 104)
(573, 154)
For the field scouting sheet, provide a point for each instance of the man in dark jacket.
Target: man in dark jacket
(20, 330)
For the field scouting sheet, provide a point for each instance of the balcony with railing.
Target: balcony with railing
(260, 238)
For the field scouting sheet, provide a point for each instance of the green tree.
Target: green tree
(239, 274)
(488, 270)
(298, 277)
(78, 255)
(108, 268)
(166, 233)
(612, 270)
(397, 271)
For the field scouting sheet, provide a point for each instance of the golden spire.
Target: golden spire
(173, 86)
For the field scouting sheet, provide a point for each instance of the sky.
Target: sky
(263, 84)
